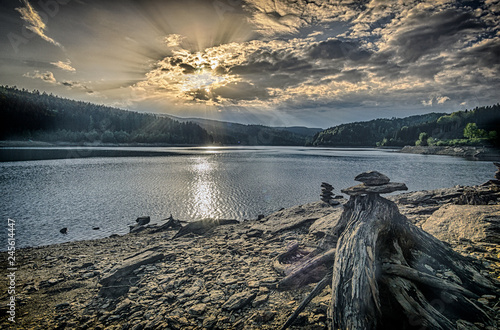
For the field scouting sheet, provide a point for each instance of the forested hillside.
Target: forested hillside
(38, 116)
(233, 133)
(479, 126)
(368, 133)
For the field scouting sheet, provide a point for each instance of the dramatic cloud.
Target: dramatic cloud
(273, 17)
(49, 78)
(46, 76)
(66, 66)
(34, 22)
(173, 40)
(77, 85)
(301, 59)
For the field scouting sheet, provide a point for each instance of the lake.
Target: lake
(43, 196)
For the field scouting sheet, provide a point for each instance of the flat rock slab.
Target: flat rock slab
(201, 227)
(426, 196)
(372, 178)
(128, 265)
(294, 217)
(477, 223)
(362, 189)
(239, 300)
(323, 225)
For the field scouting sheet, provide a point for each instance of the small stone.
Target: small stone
(483, 301)
(53, 281)
(88, 275)
(197, 285)
(62, 305)
(254, 233)
(239, 300)
(372, 178)
(268, 316)
(197, 309)
(263, 289)
(259, 300)
(189, 270)
(209, 322)
(141, 221)
(269, 280)
(253, 284)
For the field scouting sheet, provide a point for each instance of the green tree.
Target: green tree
(472, 132)
(422, 139)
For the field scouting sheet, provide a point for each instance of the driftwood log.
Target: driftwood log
(389, 274)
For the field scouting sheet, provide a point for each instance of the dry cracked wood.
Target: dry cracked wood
(384, 273)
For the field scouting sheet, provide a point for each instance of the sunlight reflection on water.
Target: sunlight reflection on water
(195, 183)
(205, 189)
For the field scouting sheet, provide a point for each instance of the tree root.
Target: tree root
(317, 290)
(384, 274)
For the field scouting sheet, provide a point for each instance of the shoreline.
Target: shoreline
(221, 280)
(467, 152)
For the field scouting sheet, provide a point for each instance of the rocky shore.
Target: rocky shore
(226, 278)
(471, 153)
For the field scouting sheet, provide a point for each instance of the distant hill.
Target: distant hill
(368, 133)
(39, 116)
(302, 130)
(240, 134)
(433, 128)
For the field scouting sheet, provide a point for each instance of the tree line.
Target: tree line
(43, 117)
(479, 126)
(26, 115)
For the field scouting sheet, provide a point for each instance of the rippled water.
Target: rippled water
(194, 183)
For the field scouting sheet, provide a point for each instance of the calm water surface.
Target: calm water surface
(194, 183)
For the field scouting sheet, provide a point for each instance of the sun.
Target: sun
(205, 79)
(188, 76)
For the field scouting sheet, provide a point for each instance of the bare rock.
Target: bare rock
(362, 189)
(324, 224)
(372, 178)
(141, 221)
(203, 226)
(477, 223)
(119, 275)
(210, 322)
(294, 217)
(260, 300)
(239, 300)
(197, 285)
(197, 309)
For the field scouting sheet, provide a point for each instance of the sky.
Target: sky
(316, 63)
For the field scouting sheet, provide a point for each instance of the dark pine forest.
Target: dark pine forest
(480, 126)
(44, 117)
(36, 116)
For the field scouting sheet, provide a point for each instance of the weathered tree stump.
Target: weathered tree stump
(389, 274)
